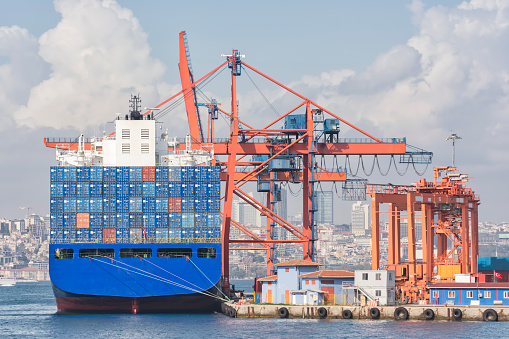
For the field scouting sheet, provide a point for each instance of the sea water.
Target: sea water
(28, 310)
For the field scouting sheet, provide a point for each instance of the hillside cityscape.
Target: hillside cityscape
(345, 246)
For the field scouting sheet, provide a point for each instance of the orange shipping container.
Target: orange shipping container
(174, 204)
(83, 220)
(149, 173)
(109, 235)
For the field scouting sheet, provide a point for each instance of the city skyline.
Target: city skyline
(415, 69)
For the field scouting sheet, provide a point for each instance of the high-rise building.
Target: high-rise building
(324, 205)
(360, 218)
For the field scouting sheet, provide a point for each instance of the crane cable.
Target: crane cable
(261, 93)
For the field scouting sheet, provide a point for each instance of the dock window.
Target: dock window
(174, 252)
(451, 294)
(145, 148)
(470, 294)
(64, 253)
(96, 252)
(378, 293)
(378, 276)
(506, 294)
(208, 253)
(487, 294)
(364, 276)
(435, 294)
(135, 253)
(126, 134)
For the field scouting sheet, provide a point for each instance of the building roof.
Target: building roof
(298, 262)
(269, 278)
(471, 285)
(329, 274)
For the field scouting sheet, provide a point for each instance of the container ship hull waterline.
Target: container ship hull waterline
(135, 224)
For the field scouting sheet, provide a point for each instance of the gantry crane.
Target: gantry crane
(447, 210)
(278, 154)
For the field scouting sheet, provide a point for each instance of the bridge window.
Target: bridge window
(126, 133)
(64, 253)
(174, 252)
(209, 253)
(135, 253)
(96, 252)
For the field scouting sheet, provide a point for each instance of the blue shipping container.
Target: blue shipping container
(69, 234)
(175, 234)
(122, 220)
(161, 235)
(122, 173)
(69, 173)
(69, 189)
(82, 205)
(96, 235)
(96, 220)
(135, 173)
(149, 204)
(109, 189)
(82, 235)
(135, 189)
(109, 220)
(70, 220)
(56, 234)
(150, 235)
(188, 204)
(83, 189)
(149, 189)
(109, 173)
(201, 189)
(96, 174)
(135, 205)
(200, 204)
(214, 173)
(69, 205)
(161, 189)
(187, 220)
(214, 220)
(149, 220)
(122, 189)
(122, 235)
(187, 173)
(96, 189)
(122, 204)
(109, 205)
(161, 204)
(161, 220)
(96, 204)
(187, 189)
(214, 204)
(175, 220)
(56, 220)
(214, 189)
(135, 220)
(200, 220)
(174, 189)
(56, 205)
(174, 173)
(83, 173)
(161, 173)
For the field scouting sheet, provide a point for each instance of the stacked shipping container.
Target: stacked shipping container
(135, 204)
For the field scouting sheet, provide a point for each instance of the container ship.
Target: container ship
(135, 223)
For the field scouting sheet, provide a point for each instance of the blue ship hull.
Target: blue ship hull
(150, 284)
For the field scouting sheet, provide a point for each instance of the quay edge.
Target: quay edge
(415, 312)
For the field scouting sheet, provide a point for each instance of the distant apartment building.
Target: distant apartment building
(245, 214)
(324, 205)
(360, 218)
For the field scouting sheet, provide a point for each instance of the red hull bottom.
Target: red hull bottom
(188, 303)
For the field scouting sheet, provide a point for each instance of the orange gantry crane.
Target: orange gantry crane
(277, 154)
(447, 213)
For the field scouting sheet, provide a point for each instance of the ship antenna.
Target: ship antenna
(134, 105)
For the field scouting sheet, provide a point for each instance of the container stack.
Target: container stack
(135, 204)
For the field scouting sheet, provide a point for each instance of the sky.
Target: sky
(414, 69)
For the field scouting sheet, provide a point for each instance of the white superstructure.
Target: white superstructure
(134, 143)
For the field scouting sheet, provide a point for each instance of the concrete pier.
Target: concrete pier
(401, 312)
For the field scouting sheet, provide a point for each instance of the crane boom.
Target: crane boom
(188, 90)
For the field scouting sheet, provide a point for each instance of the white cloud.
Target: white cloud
(22, 69)
(98, 55)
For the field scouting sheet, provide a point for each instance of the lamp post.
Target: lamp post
(453, 137)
